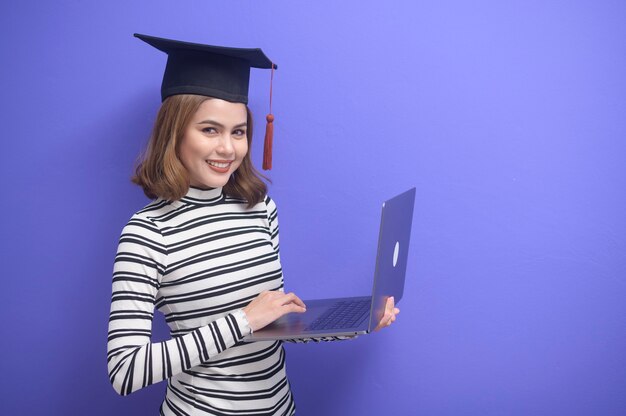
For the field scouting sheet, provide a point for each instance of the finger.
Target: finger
(292, 298)
(396, 311)
(389, 306)
(383, 323)
(292, 307)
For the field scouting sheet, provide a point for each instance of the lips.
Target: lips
(220, 166)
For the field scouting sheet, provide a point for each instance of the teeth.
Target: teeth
(218, 165)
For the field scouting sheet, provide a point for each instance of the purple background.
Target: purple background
(508, 117)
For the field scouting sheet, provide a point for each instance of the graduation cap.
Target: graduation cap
(214, 71)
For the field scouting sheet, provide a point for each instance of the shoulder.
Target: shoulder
(271, 210)
(142, 236)
(269, 201)
(157, 208)
(146, 220)
(270, 205)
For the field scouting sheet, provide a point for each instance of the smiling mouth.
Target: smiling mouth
(219, 166)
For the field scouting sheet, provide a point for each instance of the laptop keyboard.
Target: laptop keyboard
(343, 314)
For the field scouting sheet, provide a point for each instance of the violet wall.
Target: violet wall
(508, 117)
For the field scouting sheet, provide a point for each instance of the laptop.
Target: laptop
(356, 315)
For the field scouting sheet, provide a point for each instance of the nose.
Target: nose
(225, 146)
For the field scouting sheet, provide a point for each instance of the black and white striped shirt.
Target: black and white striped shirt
(199, 260)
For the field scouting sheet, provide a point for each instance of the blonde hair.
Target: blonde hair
(161, 173)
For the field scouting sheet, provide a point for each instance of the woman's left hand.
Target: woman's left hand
(390, 314)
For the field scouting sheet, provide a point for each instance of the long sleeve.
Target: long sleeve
(133, 360)
(272, 218)
(272, 215)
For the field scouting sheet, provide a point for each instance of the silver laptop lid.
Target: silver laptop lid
(393, 250)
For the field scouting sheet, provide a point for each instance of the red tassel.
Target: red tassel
(269, 137)
(269, 131)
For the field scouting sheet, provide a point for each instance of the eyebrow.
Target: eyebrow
(215, 123)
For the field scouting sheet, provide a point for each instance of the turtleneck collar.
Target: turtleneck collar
(203, 196)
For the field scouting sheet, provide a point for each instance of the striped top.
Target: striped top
(199, 260)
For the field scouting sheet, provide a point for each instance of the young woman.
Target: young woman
(205, 252)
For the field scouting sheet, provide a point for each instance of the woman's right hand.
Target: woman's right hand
(271, 305)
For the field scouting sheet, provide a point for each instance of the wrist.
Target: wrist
(245, 322)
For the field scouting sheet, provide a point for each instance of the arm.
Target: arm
(133, 361)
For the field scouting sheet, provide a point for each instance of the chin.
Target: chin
(212, 183)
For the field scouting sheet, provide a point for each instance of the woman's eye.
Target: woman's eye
(209, 130)
(239, 132)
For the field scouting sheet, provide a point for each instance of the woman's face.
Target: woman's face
(214, 143)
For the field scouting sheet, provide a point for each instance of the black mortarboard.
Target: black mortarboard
(214, 71)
